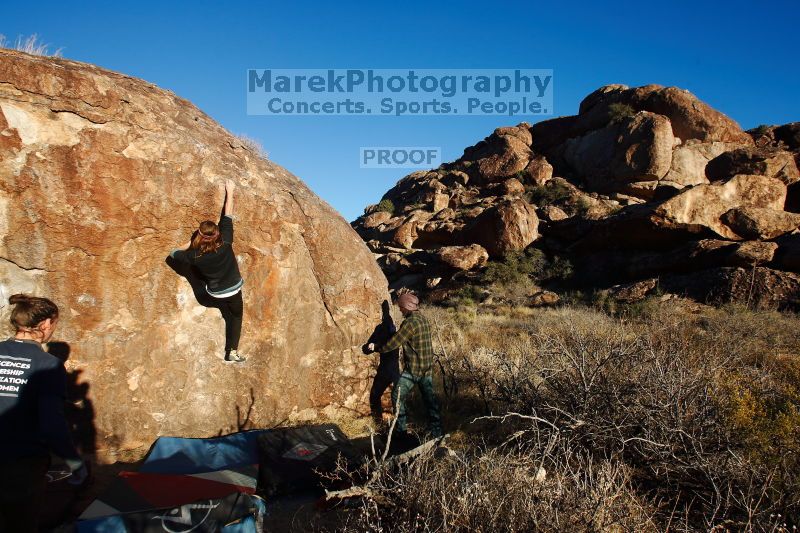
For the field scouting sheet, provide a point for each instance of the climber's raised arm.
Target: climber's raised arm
(226, 221)
(227, 210)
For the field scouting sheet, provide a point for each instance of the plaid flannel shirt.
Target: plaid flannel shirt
(414, 336)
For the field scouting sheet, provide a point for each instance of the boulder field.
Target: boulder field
(101, 175)
(647, 187)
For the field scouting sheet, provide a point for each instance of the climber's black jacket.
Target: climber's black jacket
(219, 268)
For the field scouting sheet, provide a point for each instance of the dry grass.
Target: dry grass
(682, 418)
(253, 145)
(492, 490)
(30, 45)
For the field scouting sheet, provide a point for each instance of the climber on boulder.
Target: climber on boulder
(33, 388)
(210, 251)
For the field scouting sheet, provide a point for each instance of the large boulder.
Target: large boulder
(552, 213)
(757, 287)
(101, 175)
(406, 233)
(502, 154)
(689, 162)
(700, 208)
(512, 187)
(787, 257)
(549, 134)
(632, 227)
(786, 136)
(538, 171)
(772, 139)
(373, 220)
(690, 117)
(414, 188)
(750, 160)
(760, 223)
(637, 148)
(439, 233)
(609, 266)
(463, 257)
(789, 135)
(694, 213)
(509, 226)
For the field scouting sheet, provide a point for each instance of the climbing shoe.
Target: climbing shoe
(233, 356)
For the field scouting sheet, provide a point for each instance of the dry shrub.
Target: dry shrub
(699, 408)
(29, 45)
(618, 112)
(253, 145)
(503, 489)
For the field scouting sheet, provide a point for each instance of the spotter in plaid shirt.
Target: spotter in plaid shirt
(414, 336)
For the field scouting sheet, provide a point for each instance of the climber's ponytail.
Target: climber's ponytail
(30, 311)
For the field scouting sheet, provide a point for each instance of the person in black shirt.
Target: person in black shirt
(388, 372)
(211, 252)
(32, 422)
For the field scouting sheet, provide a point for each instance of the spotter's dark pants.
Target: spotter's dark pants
(400, 395)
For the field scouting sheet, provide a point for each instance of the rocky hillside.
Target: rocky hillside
(645, 189)
(101, 175)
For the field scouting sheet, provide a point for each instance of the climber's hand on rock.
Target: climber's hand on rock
(229, 186)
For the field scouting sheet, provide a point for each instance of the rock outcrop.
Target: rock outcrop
(701, 208)
(643, 183)
(101, 175)
(463, 257)
(690, 117)
(633, 149)
(508, 226)
(765, 162)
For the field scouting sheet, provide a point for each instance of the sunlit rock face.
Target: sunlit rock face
(101, 175)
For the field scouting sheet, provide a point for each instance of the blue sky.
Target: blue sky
(738, 56)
